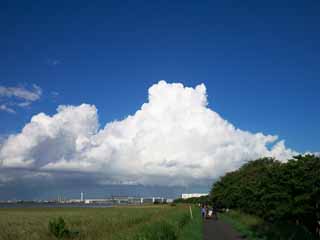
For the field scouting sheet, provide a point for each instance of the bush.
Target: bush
(58, 228)
(283, 231)
(185, 218)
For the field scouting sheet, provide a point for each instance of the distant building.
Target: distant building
(82, 197)
(192, 195)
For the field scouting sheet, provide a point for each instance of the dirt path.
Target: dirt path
(218, 230)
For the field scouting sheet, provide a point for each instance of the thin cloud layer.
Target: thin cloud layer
(18, 96)
(172, 139)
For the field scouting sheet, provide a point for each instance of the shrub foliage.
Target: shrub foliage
(275, 191)
(58, 228)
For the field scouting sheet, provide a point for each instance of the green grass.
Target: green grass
(102, 223)
(243, 223)
(176, 226)
(254, 228)
(193, 230)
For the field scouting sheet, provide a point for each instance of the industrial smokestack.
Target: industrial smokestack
(82, 197)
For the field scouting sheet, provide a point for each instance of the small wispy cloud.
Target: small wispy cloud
(53, 62)
(24, 104)
(21, 92)
(18, 96)
(54, 93)
(4, 107)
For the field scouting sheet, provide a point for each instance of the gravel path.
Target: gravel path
(218, 230)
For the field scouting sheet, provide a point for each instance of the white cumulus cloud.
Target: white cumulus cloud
(174, 139)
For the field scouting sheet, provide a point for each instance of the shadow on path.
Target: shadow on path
(219, 230)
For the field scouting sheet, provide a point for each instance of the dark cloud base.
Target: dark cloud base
(69, 185)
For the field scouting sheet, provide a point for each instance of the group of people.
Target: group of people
(208, 212)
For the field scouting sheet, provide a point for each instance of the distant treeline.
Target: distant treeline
(275, 191)
(194, 200)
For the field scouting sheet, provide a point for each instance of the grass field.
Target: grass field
(254, 228)
(137, 223)
(243, 223)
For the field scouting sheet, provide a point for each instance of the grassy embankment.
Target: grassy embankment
(254, 228)
(121, 223)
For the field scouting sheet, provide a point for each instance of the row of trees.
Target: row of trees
(273, 190)
(194, 200)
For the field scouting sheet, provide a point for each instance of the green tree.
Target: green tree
(276, 191)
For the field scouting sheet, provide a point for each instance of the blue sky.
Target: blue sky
(258, 60)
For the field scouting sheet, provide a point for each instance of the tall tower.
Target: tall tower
(82, 197)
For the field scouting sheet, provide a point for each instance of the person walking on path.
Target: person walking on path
(203, 211)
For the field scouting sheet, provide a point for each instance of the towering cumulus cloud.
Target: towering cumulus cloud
(173, 139)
